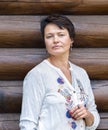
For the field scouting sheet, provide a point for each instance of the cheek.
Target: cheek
(47, 41)
(47, 44)
(68, 42)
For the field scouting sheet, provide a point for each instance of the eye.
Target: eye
(49, 36)
(61, 34)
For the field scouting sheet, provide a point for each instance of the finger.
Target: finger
(73, 110)
(81, 114)
(76, 109)
(75, 113)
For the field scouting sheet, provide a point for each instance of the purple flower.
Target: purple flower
(60, 80)
(73, 125)
(68, 114)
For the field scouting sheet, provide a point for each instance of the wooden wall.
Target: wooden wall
(21, 48)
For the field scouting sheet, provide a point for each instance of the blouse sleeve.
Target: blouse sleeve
(91, 105)
(33, 95)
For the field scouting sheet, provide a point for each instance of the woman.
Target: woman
(56, 93)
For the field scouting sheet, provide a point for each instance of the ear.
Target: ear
(72, 41)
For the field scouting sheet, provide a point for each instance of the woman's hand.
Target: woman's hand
(81, 112)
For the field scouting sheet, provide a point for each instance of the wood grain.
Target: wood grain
(20, 29)
(54, 6)
(9, 121)
(100, 90)
(11, 95)
(15, 63)
(24, 31)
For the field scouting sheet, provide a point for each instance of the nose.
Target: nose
(56, 39)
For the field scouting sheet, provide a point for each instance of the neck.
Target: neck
(63, 65)
(59, 62)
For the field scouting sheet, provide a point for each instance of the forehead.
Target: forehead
(51, 28)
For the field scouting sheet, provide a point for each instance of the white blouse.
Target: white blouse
(48, 96)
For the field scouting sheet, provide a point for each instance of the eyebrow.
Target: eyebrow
(57, 32)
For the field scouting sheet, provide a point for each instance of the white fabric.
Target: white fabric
(44, 104)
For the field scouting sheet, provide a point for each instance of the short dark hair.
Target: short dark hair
(61, 21)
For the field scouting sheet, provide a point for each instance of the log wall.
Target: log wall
(21, 48)
(76, 7)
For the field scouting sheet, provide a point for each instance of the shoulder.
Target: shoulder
(82, 77)
(80, 72)
(78, 69)
(38, 70)
(34, 80)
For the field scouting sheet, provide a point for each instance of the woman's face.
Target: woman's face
(57, 40)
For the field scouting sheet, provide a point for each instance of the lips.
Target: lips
(56, 47)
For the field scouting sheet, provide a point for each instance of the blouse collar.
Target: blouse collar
(51, 65)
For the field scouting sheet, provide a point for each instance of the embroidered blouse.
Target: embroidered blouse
(48, 96)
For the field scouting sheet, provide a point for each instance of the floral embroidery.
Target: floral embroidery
(73, 125)
(65, 93)
(68, 114)
(83, 96)
(60, 80)
(69, 104)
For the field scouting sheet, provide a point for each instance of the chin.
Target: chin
(57, 53)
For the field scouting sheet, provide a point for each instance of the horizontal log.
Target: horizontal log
(103, 122)
(24, 31)
(10, 99)
(100, 90)
(11, 121)
(54, 6)
(15, 63)
(20, 31)
(87, 31)
(11, 95)
(94, 61)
